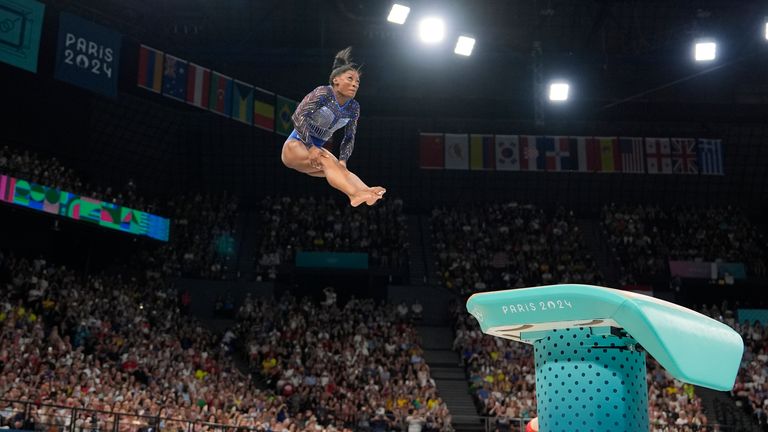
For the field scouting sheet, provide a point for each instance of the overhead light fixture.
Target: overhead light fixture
(705, 50)
(431, 30)
(766, 29)
(398, 14)
(558, 91)
(464, 45)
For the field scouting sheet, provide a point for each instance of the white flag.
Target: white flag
(507, 153)
(457, 151)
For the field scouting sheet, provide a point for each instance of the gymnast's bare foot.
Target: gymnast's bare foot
(378, 193)
(363, 196)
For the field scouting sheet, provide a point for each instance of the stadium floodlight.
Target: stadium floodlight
(398, 14)
(464, 45)
(705, 50)
(431, 30)
(558, 91)
(766, 29)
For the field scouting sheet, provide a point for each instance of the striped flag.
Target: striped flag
(263, 109)
(150, 74)
(220, 99)
(198, 85)
(594, 155)
(456, 151)
(242, 102)
(175, 78)
(482, 152)
(632, 155)
(658, 156)
(529, 153)
(684, 156)
(431, 151)
(507, 153)
(578, 151)
(711, 156)
(610, 159)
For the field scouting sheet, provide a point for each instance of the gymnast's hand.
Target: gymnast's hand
(315, 153)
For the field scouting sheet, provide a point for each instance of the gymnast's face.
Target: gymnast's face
(347, 83)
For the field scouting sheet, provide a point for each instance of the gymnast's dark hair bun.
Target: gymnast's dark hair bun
(343, 58)
(343, 63)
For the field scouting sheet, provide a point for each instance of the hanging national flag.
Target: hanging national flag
(198, 85)
(544, 145)
(658, 156)
(456, 151)
(559, 154)
(711, 156)
(610, 159)
(578, 151)
(482, 154)
(220, 99)
(431, 151)
(175, 78)
(150, 69)
(242, 102)
(529, 153)
(285, 109)
(594, 155)
(263, 109)
(684, 156)
(632, 155)
(507, 153)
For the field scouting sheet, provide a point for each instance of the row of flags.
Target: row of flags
(196, 85)
(88, 56)
(571, 153)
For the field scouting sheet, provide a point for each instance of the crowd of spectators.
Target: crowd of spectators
(49, 171)
(358, 365)
(114, 344)
(203, 236)
(751, 387)
(203, 228)
(289, 225)
(644, 238)
(672, 404)
(500, 372)
(511, 246)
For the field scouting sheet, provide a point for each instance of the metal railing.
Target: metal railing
(59, 418)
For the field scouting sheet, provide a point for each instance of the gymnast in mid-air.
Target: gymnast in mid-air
(321, 113)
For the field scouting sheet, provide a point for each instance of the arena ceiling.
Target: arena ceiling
(616, 52)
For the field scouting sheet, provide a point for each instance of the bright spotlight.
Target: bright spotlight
(766, 29)
(431, 30)
(398, 14)
(464, 45)
(558, 91)
(705, 51)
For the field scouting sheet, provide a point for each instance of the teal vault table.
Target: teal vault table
(590, 370)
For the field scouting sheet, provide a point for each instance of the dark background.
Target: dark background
(624, 59)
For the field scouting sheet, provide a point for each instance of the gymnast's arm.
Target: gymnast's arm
(348, 143)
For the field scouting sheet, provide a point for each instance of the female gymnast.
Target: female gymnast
(322, 112)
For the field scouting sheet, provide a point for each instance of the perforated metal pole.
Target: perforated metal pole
(588, 379)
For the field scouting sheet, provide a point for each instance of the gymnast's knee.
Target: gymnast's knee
(289, 154)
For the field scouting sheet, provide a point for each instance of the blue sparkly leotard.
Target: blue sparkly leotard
(319, 115)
